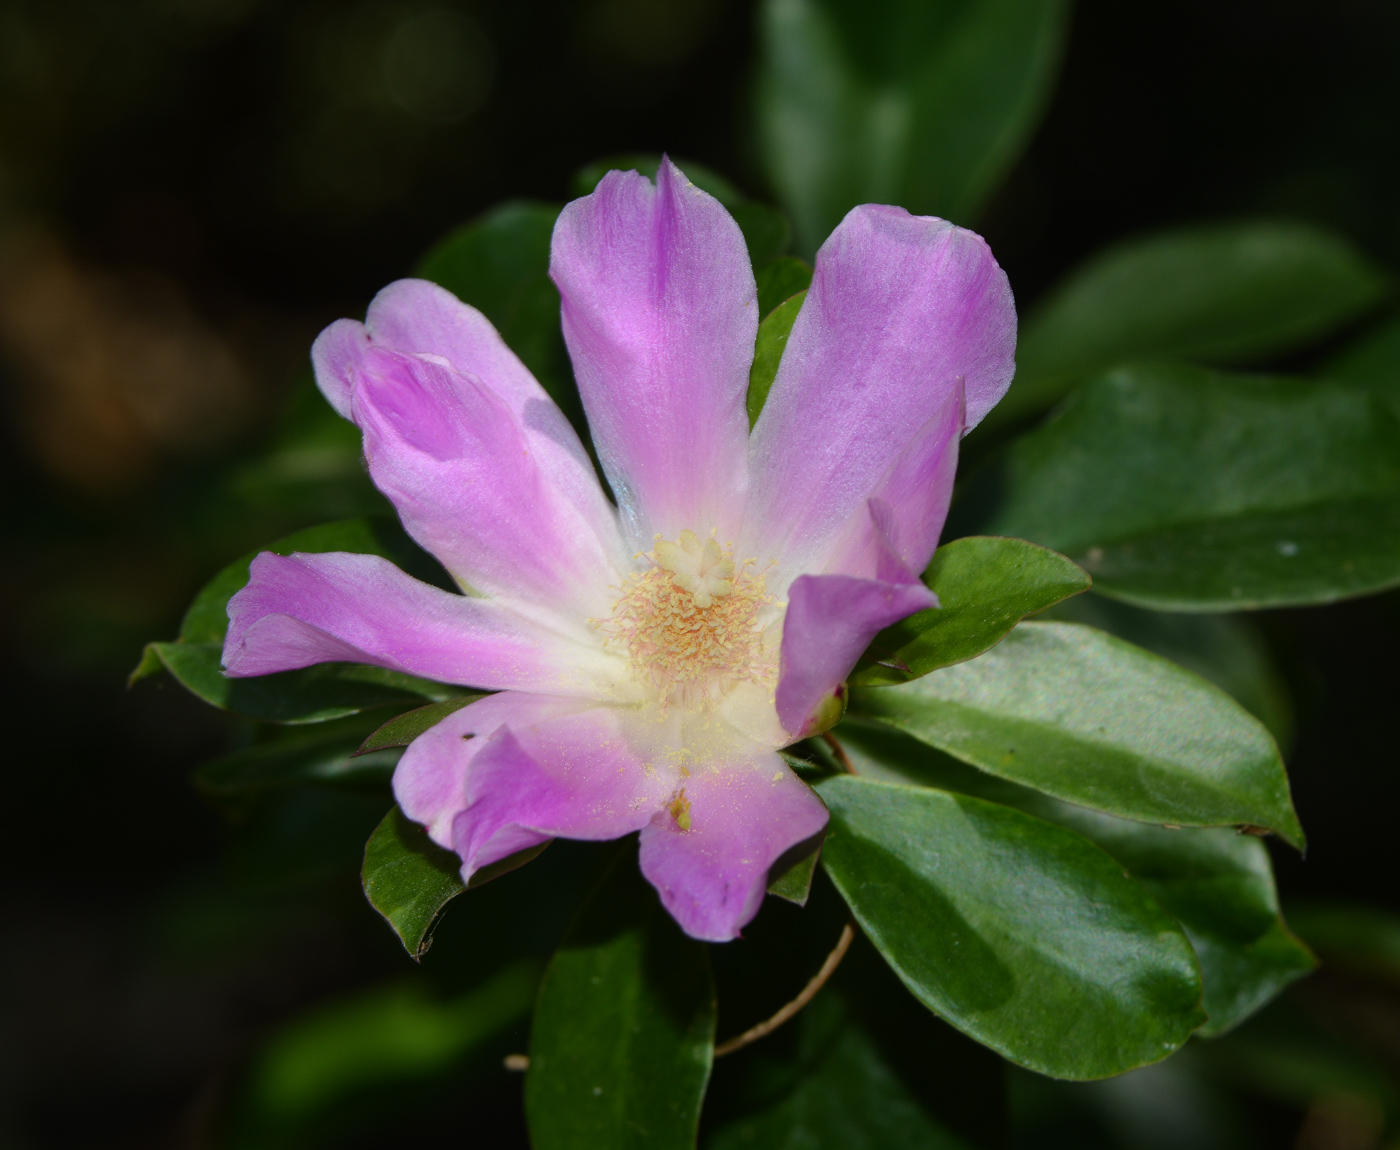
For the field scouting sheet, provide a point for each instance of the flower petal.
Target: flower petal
(458, 466)
(712, 874)
(660, 313)
(900, 307)
(905, 513)
(302, 609)
(484, 469)
(512, 770)
(830, 620)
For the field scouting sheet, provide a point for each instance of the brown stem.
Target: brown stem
(754, 1033)
(839, 751)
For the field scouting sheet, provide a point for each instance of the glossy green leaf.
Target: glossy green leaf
(1227, 650)
(500, 265)
(312, 695)
(926, 105)
(403, 729)
(1218, 884)
(1088, 718)
(844, 1096)
(324, 753)
(985, 586)
(780, 280)
(623, 1033)
(773, 335)
(409, 879)
(1023, 935)
(1233, 293)
(1184, 489)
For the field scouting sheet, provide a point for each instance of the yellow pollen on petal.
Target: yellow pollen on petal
(691, 623)
(680, 810)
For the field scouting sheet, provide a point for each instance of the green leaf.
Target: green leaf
(409, 879)
(790, 877)
(1227, 650)
(1220, 886)
(324, 753)
(767, 234)
(311, 469)
(1360, 939)
(500, 265)
(384, 1037)
(985, 586)
(403, 729)
(1223, 294)
(1023, 935)
(312, 695)
(773, 335)
(845, 1096)
(1216, 883)
(206, 621)
(1088, 718)
(924, 105)
(1184, 489)
(780, 280)
(623, 1034)
(1372, 362)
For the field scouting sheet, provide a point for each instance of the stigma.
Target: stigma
(693, 622)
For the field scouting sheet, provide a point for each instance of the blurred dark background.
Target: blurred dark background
(189, 189)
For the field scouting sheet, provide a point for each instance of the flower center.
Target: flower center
(691, 622)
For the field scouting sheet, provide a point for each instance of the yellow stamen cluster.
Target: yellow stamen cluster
(690, 622)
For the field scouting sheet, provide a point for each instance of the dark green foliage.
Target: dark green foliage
(623, 1034)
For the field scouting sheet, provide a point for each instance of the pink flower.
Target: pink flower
(652, 658)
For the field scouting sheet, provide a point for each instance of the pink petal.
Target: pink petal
(905, 513)
(484, 469)
(712, 875)
(660, 314)
(302, 609)
(830, 620)
(463, 474)
(513, 770)
(901, 307)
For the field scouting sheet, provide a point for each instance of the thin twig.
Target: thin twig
(754, 1033)
(839, 751)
